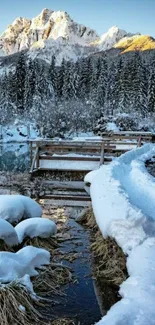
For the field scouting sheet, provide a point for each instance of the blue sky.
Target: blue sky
(131, 15)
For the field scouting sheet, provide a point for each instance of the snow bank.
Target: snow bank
(123, 198)
(36, 227)
(8, 233)
(14, 266)
(15, 207)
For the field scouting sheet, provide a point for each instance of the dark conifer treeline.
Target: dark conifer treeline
(79, 92)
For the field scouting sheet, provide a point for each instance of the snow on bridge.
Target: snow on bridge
(83, 154)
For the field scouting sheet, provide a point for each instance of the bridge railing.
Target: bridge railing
(86, 155)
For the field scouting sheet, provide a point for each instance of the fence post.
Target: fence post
(102, 154)
(37, 158)
(139, 142)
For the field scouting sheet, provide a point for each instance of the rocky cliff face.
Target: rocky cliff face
(25, 33)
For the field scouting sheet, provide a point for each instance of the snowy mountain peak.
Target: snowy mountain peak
(113, 36)
(42, 18)
(49, 24)
(114, 30)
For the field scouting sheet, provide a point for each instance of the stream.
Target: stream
(80, 302)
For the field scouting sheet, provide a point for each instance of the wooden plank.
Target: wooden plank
(82, 151)
(65, 170)
(69, 158)
(62, 203)
(67, 197)
(68, 185)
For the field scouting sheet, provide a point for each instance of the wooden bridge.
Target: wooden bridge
(86, 155)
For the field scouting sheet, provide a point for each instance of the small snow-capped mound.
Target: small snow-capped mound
(35, 227)
(14, 266)
(8, 233)
(34, 256)
(13, 208)
(31, 208)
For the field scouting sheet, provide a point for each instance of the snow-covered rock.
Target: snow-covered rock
(14, 266)
(13, 208)
(8, 233)
(36, 227)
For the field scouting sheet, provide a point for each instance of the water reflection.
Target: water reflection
(14, 157)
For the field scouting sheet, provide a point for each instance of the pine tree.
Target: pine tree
(20, 76)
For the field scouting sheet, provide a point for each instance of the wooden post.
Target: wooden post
(1, 132)
(139, 142)
(102, 154)
(34, 159)
(37, 157)
(28, 131)
(30, 146)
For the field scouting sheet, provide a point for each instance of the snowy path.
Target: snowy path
(123, 197)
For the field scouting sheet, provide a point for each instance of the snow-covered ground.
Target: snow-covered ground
(18, 132)
(123, 198)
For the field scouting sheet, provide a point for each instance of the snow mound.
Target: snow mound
(15, 207)
(123, 197)
(36, 227)
(11, 208)
(8, 233)
(14, 266)
(31, 208)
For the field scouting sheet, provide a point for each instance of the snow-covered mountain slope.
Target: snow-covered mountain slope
(61, 49)
(136, 42)
(24, 33)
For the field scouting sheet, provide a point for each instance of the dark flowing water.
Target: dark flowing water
(80, 302)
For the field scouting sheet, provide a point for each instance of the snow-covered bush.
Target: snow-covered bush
(36, 227)
(8, 233)
(13, 208)
(14, 266)
(126, 123)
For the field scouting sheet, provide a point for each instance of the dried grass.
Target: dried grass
(49, 280)
(12, 297)
(47, 243)
(110, 261)
(63, 321)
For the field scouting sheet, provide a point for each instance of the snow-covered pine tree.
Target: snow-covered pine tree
(151, 87)
(29, 85)
(20, 77)
(102, 84)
